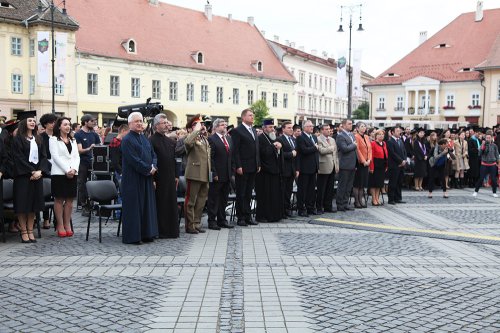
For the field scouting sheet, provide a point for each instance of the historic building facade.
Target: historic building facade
(452, 76)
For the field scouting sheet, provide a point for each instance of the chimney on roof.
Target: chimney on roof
(153, 2)
(251, 20)
(230, 17)
(479, 11)
(314, 52)
(292, 44)
(276, 38)
(422, 37)
(301, 48)
(208, 11)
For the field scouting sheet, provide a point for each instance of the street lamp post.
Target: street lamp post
(52, 7)
(349, 68)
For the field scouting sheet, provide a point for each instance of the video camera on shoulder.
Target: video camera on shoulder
(148, 110)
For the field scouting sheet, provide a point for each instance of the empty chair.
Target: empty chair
(101, 193)
(8, 194)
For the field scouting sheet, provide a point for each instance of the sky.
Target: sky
(392, 27)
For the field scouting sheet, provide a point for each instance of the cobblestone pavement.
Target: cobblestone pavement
(282, 277)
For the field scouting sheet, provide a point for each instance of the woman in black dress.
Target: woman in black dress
(30, 162)
(65, 163)
(420, 154)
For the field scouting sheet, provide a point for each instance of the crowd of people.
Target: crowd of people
(282, 169)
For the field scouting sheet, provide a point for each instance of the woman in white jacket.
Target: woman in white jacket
(65, 162)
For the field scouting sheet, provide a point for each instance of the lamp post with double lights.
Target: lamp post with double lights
(52, 7)
(351, 10)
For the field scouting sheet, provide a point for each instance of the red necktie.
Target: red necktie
(225, 144)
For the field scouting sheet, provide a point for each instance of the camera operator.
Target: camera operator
(489, 161)
(86, 139)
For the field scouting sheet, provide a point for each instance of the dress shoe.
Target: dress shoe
(330, 210)
(259, 220)
(242, 224)
(312, 212)
(25, 241)
(288, 213)
(250, 222)
(213, 227)
(391, 202)
(400, 201)
(148, 240)
(340, 209)
(225, 225)
(348, 208)
(303, 214)
(192, 231)
(320, 212)
(31, 236)
(201, 230)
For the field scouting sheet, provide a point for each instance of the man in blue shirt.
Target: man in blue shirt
(86, 139)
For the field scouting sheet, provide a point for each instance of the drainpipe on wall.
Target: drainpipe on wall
(76, 83)
(29, 61)
(484, 100)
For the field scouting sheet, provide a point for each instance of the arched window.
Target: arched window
(200, 58)
(259, 66)
(131, 46)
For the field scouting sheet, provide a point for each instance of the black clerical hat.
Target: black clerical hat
(268, 121)
(21, 115)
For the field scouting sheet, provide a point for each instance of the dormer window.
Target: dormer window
(442, 46)
(466, 69)
(391, 75)
(257, 64)
(130, 46)
(5, 4)
(199, 57)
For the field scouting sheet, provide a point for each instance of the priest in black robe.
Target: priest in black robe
(268, 187)
(166, 179)
(138, 194)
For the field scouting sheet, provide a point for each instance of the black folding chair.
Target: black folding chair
(8, 204)
(101, 193)
(181, 199)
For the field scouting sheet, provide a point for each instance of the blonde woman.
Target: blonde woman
(461, 163)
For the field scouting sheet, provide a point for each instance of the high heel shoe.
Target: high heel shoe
(69, 233)
(62, 233)
(32, 240)
(22, 240)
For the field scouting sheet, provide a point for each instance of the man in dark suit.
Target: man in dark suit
(289, 172)
(346, 145)
(396, 166)
(247, 164)
(308, 165)
(220, 153)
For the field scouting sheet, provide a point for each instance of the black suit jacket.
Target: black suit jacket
(397, 153)
(245, 149)
(221, 159)
(269, 157)
(308, 154)
(289, 161)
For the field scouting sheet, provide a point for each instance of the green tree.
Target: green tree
(362, 112)
(260, 111)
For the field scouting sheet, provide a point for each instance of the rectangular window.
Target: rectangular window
(263, 96)
(310, 103)
(302, 78)
(400, 103)
(275, 100)
(17, 83)
(220, 95)
(381, 104)
(320, 83)
(330, 105)
(204, 93)
(156, 89)
(250, 97)
(315, 81)
(173, 91)
(320, 104)
(315, 106)
(114, 85)
(59, 88)
(190, 92)
(236, 96)
(310, 80)
(136, 87)
(92, 84)
(32, 47)
(15, 46)
(32, 84)
(301, 102)
(475, 99)
(450, 101)
(285, 100)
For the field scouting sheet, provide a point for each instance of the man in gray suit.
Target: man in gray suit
(328, 166)
(346, 145)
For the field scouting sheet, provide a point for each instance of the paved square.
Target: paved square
(282, 277)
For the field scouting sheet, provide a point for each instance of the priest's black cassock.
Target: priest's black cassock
(268, 187)
(166, 194)
(138, 194)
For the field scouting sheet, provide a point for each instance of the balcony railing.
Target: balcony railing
(399, 109)
(381, 110)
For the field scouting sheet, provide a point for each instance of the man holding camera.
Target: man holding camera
(197, 174)
(86, 139)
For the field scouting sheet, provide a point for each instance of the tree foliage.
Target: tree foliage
(362, 112)
(260, 111)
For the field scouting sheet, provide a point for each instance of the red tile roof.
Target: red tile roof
(471, 43)
(168, 34)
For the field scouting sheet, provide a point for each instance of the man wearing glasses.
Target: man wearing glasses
(86, 138)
